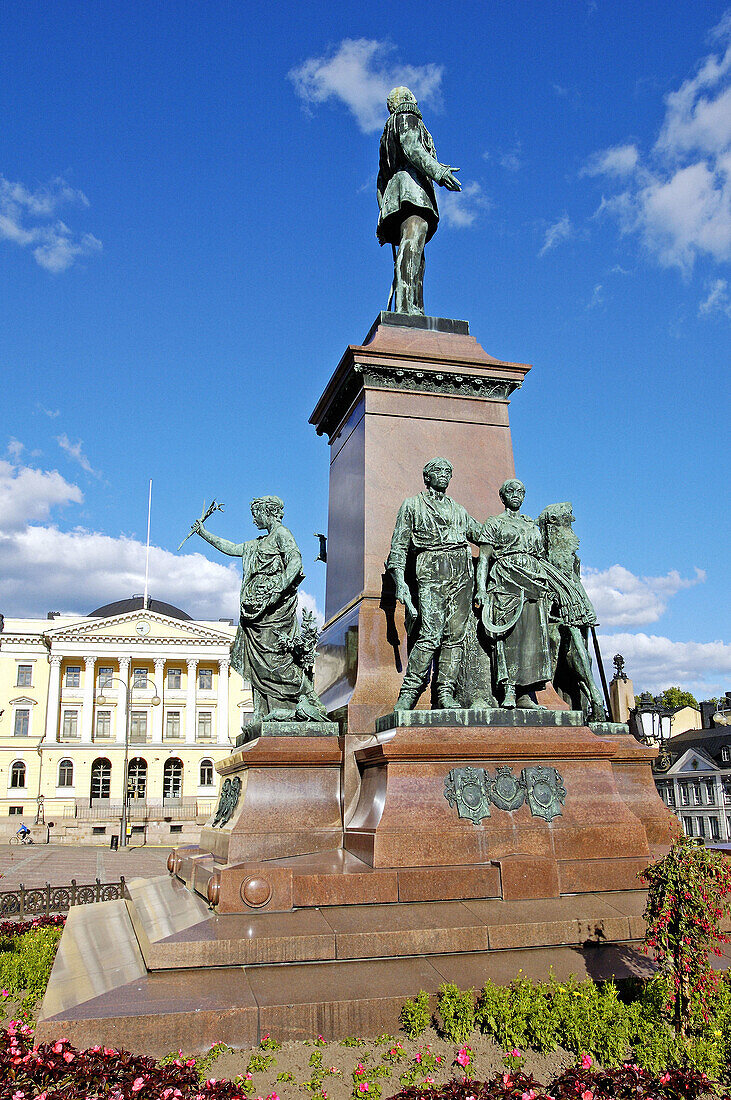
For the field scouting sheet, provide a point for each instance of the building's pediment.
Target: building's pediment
(22, 701)
(140, 625)
(691, 762)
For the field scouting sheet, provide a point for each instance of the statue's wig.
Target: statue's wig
(506, 484)
(433, 462)
(273, 505)
(397, 96)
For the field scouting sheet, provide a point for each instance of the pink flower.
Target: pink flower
(5, 993)
(529, 1095)
(57, 1047)
(515, 1053)
(586, 1062)
(138, 1083)
(664, 1078)
(68, 1056)
(587, 1095)
(463, 1057)
(363, 1086)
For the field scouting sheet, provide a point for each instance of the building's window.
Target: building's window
(21, 722)
(715, 828)
(15, 811)
(697, 796)
(25, 676)
(688, 826)
(73, 676)
(701, 826)
(176, 828)
(101, 778)
(66, 773)
(684, 797)
(172, 724)
(728, 825)
(104, 723)
(137, 829)
(174, 675)
(70, 723)
(137, 778)
(106, 677)
(205, 725)
(138, 726)
(726, 754)
(671, 795)
(726, 791)
(139, 677)
(98, 830)
(205, 679)
(206, 773)
(172, 778)
(17, 774)
(710, 792)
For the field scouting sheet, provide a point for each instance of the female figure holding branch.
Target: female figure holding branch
(265, 650)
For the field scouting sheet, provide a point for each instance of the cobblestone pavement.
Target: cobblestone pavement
(37, 864)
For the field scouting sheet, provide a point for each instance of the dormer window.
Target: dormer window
(726, 754)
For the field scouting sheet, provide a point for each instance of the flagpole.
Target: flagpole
(147, 552)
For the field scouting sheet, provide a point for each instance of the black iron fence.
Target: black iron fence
(34, 901)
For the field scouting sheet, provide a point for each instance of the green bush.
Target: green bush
(26, 962)
(457, 1010)
(415, 1016)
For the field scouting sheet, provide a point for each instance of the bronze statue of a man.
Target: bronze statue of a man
(436, 529)
(408, 169)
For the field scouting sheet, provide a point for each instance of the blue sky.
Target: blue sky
(187, 244)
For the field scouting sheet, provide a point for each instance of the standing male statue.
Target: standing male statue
(437, 529)
(408, 169)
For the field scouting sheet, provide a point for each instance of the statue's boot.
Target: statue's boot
(408, 266)
(508, 695)
(449, 662)
(414, 678)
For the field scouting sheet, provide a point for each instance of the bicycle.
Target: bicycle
(21, 838)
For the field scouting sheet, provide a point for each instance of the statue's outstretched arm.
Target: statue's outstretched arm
(422, 160)
(483, 567)
(233, 549)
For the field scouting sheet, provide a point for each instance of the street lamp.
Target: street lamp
(128, 688)
(652, 722)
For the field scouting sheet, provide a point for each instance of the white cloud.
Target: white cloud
(655, 663)
(28, 219)
(15, 449)
(43, 567)
(597, 298)
(460, 209)
(623, 599)
(718, 299)
(50, 413)
(28, 494)
(678, 197)
(559, 231)
(74, 451)
(620, 160)
(360, 72)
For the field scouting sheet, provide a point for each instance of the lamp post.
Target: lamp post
(652, 724)
(128, 688)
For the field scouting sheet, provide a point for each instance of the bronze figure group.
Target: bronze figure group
(495, 635)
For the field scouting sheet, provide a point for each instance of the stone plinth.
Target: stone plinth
(404, 819)
(289, 802)
(417, 388)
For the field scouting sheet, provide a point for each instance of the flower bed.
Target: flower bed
(56, 1071)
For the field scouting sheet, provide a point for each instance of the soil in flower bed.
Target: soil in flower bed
(293, 1058)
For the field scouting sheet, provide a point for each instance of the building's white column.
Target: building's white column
(222, 708)
(87, 711)
(190, 700)
(121, 718)
(54, 698)
(157, 711)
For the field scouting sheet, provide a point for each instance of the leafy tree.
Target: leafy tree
(676, 697)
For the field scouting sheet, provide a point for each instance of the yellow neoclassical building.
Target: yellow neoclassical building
(78, 692)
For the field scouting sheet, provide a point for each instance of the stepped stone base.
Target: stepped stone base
(166, 973)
